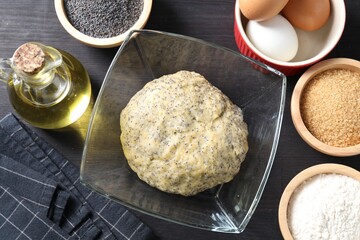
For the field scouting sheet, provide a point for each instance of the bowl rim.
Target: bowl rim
(101, 42)
(324, 168)
(341, 11)
(298, 122)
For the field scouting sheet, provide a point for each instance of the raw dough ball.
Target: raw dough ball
(182, 135)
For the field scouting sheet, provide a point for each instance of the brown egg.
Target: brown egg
(260, 10)
(308, 15)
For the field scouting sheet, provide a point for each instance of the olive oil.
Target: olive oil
(55, 99)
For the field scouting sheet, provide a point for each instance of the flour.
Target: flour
(327, 206)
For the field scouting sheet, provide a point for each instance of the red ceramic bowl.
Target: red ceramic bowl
(313, 46)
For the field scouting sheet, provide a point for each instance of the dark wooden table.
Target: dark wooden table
(35, 20)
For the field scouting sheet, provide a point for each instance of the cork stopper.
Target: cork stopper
(29, 58)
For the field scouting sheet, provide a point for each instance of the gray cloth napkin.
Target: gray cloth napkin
(41, 196)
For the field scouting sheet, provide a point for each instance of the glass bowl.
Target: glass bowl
(258, 89)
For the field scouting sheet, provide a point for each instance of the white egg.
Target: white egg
(276, 38)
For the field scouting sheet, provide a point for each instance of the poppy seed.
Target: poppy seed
(103, 18)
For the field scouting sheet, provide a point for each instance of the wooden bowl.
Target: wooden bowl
(335, 63)
(326, 168)
(100, 42)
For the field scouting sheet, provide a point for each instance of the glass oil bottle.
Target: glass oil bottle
(48, 88)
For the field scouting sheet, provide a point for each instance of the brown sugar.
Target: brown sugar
(330, 107)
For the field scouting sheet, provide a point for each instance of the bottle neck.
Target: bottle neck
(39, 80)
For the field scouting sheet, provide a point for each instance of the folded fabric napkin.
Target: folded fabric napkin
(41, 196)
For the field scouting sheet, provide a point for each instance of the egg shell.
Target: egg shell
(261, 10)
(308, 15)
(275, 38)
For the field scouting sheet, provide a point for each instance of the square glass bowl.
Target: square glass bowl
(258, 89)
